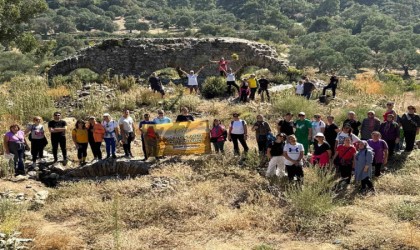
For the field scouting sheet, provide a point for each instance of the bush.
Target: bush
(407, 211)
(286, 102)
(85, 75)
(10, 214)
(214, 86)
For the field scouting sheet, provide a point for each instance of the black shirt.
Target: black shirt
(154, 82)
(286, 127)
(57, 124)
(334, 80)
(354, 125)
(184, 118)
(410, 124)
(308, 87)
(90, 134)
(320, 149)
(263, 83)
(276, 148)
(330, 133)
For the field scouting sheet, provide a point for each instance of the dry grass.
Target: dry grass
(212, 202)
(58, 92)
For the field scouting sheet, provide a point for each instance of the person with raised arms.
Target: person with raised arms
(192, 79)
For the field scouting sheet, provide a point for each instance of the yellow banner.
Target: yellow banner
(179, 138)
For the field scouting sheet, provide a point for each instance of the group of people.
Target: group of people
(342, 147)
(248, 87)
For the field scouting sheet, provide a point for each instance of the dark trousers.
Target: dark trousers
(262, 144)
(110, 146)
(59, 140)
(345, 171)
(18, 150)
(127, 145)
(367, 182)
(243, 97)
(143, 147)
(261, 92)
(410, 138)
(96, 149)
(82, 150)
(377, 167)
(229, 87)
(307, 95)
(391, 148)
(219, 146)
(332, 143)
(252, 95)
(294, 171)
(331, 86)
(241, 139)
(37, 149)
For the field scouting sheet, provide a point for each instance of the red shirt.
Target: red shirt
(346, 153)
(223, 65)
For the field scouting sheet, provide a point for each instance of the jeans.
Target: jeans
(331, 86)
(110, 146)
(55, 141)
(241, 138)
(18, 150)
(219, 146)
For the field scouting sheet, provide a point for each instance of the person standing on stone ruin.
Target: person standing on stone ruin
(111, 135)
(253, 86)
(192, 79)
(38, 140)
(231, 81)
(128, 134)
(156, 84)
(96, 135)
(80, 139)
(223, 65)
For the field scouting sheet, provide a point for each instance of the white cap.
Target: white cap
(106, 114)
(319, 134)
(302, 113)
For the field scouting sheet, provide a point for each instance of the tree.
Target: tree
(357, 56)
(328, 8)
(279, 20)
(13, 13)
(26, 42)
(407, 59)
(184, 22)
(43, 25)
(321, 24)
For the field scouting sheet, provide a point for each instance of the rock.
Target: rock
(84, 93)
(281, 87)
(42, 195)
(57, 168)
(20, 178)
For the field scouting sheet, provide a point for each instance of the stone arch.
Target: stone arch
(140, 57)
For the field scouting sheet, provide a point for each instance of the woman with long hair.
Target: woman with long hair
(80, 139)
(217, 137)
(14, 143)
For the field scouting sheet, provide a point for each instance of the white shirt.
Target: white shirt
(127, 124)
(238, 127)
(341, 136)
(192, 80)
(316, 127)
(293, 151)
(230, 77)
(109, 128)
(299, 89)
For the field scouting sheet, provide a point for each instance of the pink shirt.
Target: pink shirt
(19, 137)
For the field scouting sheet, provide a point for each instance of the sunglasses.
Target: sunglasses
(57, 115)
(316, 116)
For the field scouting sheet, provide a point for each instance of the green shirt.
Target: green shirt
(302, 128)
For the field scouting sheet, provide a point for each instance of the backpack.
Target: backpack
(270, 138)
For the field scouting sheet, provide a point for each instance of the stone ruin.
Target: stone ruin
(141, 57)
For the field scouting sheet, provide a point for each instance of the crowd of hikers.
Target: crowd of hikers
(358, 147)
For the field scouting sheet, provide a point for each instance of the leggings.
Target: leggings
(96, 149)
(294, 171)
(345, 171)
(378, 167)
(252, 95)
(82, 150)
(37, 148)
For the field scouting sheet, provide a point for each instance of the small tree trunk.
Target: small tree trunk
(406, 74)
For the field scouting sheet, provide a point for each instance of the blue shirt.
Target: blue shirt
(164, 120)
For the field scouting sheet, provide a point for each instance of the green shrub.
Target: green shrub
(123, 83)
(84, 75)
(9, 216)
(407, 211)
(214, 86)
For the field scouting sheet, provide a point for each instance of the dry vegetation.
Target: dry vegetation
(212, 202)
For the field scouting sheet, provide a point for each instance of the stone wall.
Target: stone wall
(140, 57)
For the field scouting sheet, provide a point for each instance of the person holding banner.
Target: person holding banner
(217, 136)
(238, 131)
(161, 118)
(127, 132)
(143, 142)
(184, 116)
